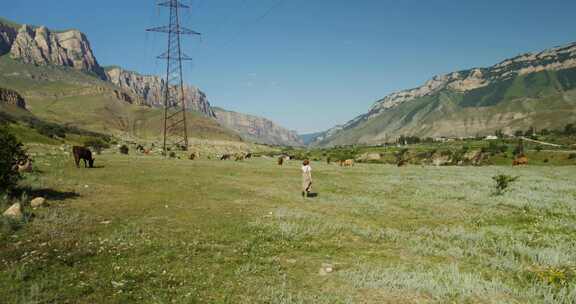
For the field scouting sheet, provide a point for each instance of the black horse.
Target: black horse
(81, 153)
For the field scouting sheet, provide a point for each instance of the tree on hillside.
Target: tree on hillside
(97, 144)
(530, 132)
(499, 133)
(408, 140)
(11, 152)
(570, 129)
(519, 150)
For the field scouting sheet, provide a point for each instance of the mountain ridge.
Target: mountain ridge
(257, 129)
(150, 90)
(479, 88)
(40, 46)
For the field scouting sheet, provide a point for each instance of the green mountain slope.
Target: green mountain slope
(72, 98)
(532, 90)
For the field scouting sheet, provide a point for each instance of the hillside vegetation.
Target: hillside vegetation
(71, 98)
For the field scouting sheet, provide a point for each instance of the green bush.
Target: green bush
(502, 182)
(96, 144)
(494, 148)
(5, 118)
(11, 152)
(55, 130)
(51, 130)
(519, 150)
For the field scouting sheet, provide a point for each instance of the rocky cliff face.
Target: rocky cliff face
(41, 46)
(149, 90)
(12, 98)
(469, 102)
(463, 81)
(257, 129)
(7, 36)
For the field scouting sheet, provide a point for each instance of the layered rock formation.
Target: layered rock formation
(150, 90)
(257, 129)
(41, 46)
(476, 101)
(559, 58)
(7, 36)
(12, 98)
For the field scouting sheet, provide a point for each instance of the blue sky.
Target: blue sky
(311, 64)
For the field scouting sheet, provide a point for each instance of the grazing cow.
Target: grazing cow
(238, 156)
(347, 163)
(225, 157)
(82, 153)
(192, 156)
(140, 148)
(402, 163)
(248, 155)
(280, 160)
(520, 161)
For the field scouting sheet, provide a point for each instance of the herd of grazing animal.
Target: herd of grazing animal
(84, 154)
(236, 156)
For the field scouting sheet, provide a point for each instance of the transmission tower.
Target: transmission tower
(175, 128)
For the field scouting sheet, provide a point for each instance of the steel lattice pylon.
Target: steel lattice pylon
(175, 128)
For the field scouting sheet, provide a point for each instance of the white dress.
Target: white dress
(306, 178)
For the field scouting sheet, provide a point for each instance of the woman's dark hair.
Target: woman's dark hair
(306, 162)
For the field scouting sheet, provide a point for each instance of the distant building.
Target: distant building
(491, 137)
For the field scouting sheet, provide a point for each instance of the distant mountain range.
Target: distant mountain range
(528, 90)
(58, 74)
(39, 46)
(257, 129)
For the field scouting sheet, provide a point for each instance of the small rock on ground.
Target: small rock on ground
(14, 212)
(326, 269)
(38, 202)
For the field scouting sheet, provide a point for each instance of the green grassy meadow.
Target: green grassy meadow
(142, 229)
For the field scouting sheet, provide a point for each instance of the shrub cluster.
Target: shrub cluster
(495, 148)
(11, 152)
(54, 130)
(502, 182)
(97, 144)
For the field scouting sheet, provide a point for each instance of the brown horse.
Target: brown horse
(82, 153)
(520, 161)
(347, 163)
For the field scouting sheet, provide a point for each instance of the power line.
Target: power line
(258, 19)
(175, 131)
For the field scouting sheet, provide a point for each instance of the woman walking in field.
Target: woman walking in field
(306, 178)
